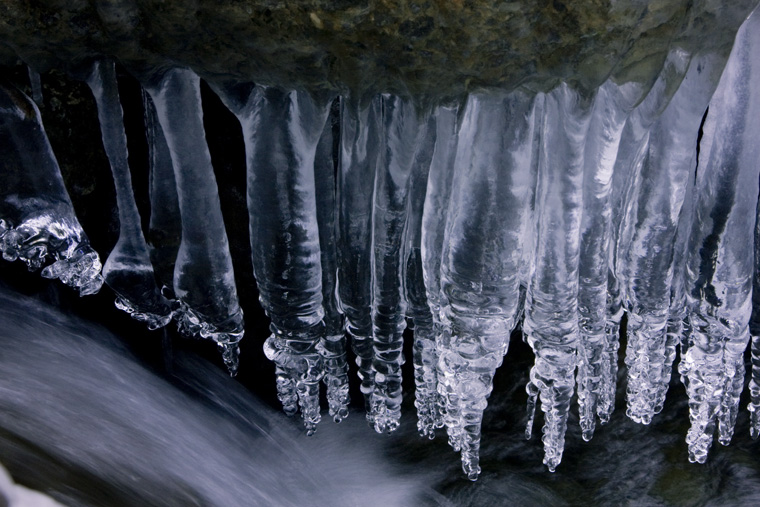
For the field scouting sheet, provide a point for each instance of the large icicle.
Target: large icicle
(754, 328)
(651, 223)
(403, 131)
(612, 106)
(360, 144)
(720, 264)
(128, 270)
(281, 131)
(480, 283)
(633, 145)
(551, 307)
(426, 392)
(429, 403)
(204, 281)
(37, 220)
(333, 344)
(165, 226)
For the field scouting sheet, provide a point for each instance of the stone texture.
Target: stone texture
(423, 48)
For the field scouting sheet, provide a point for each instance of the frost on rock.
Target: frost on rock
(37, 221)
(204, 282)
(128, 269)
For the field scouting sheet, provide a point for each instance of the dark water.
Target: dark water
(87, 422)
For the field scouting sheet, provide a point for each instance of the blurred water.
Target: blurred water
(84, 421)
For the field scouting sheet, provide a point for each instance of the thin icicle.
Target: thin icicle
(403, 129)
(165, 226)
(128, 270)
(37, 220)
(204, 281)
(426, 392)
(720, 264)
(36, 85)
(360, 143)
(611, 109)
(652, 222)
(551, 307)
(480, 283)
(333, 344)
(429, 402)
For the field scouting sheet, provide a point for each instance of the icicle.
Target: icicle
(165, 226)
(754, 328)
(720, 264)
(281, 131)
(359, 150)
(633, 145)
(127, 270)
(333, 344)
(204, 281)
(480, 266)
(403, 130)
(430, 404)
(551, 307)
(647, 259)
(426, 393)
(37, 220)
(36, 86)
(611, 109)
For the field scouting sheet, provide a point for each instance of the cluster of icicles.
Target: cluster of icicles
(559, 211)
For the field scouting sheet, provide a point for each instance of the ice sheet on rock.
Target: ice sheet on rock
(634, 144)
(423, 354)
(360, 144)
(651, 225)
(128, 270)
(481, 254)
(720, 264)
(612, 106)
(333, 343)
(165, 225)
(35, 84)
(551, 307)
(37, 220)
(434, 214)
(204, 281)
(282, 130)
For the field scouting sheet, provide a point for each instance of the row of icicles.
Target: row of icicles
(561, 211)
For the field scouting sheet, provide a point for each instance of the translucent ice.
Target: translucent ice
(720, 259)
(204, 281)
(128, 270)
(359, 151)
(37, 220)
(282, 130)
(481, 253)
(551, 307)
(651, 224)
(404, 134)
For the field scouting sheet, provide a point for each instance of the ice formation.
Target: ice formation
(559, 211)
